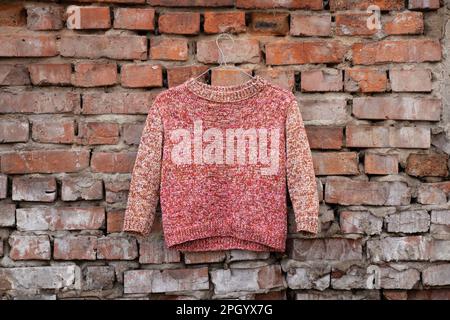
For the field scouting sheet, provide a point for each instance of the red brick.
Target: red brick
(39, 102)
(120, 47)
(427, 165)
(155, 251)
(131, 133)
(325, 249)
(3, 194)
(207, 51)
(310, 25)
(429, 194)
(40, 189)
(403, 23)
(75, 248)
(50, 73)
(353, 24)
(134, 19)
(321, 80)
(113, 162)
(365, 80)
(89, 17)
(279, 77)
(367, 136)
(411, 50)
(117, 102)
(29, 247)
(327, 111)
(269, 23)
(364, 4)
(272, 4)
(204, 257)
(45, 161)
(13, 75)
(164, 48)
(114, 221)
(229, 77)
(397, 108)
(141, 76)
(179, 22)
(335, 163)
(228, 21)
(28, 45)
(414, 80)
(302, 52)
(12, 15)
(325, 137)
(117, 191)
(13, 130)
(117, 248)
(60, 218)
(54, 131)
(94, 133)
(178, 74)
(89, 74)
(377, 163)
(8, 210)
(45, 17)
(191, 3)
(81, 188)
(423, 4)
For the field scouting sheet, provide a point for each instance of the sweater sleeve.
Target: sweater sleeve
(300, 172)
(145, 181)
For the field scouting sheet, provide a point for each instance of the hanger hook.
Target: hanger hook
(222, 60)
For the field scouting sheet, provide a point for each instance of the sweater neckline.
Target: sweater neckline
(225, 94)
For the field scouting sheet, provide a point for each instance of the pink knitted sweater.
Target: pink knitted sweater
(219, 159)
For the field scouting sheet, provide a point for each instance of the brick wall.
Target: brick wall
(74, 93)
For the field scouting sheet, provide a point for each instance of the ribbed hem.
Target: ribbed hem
(215, 236)
(308, 222)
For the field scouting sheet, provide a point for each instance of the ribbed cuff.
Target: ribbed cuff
(308, 222)
(137, 226)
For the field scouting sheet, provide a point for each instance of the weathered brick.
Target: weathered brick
(178, 74)
(422, 165)
(440, 224)
(116, 191)
(401, 278)
(39, 102)
(45, 17)
(13, 15)
(119, 47)
(345, 191)
(54, 130)
(438, 275)
(338, 295)
(325, 249)
(99, 278)
(117, 248)
(224, 21)
(397, 108)
(354, 24)
(411, 221)
(29, 247)
(165, 48)
(60, 218)
(7, 214)
(385, 51)
(132, 132)
(325, 137)
(207, 51)
(28, 45)
(3, 186)
(50, 73)
(403, 23)
(229, 77)
(154, 250)
(377, 163)
(335, 163)
(89, 74)
(179, 22)
(325, 111)
(141, 76)
(13, 130)
(308, 278)
(269, 23)
(169, 280)
(240, 255)
(399, 249)
(94, 133)
(414, 80)
(423, 4)
(362, 222)
(301, 52)
(310, 25)
(368, 136)
(363, 4)
(114, 221)
(429, 194)
(429, 294)
(13, 75)
(204, 257)
(88, 17)
(272, 4)
(134, 18)
(440, 250)
(75, 248)
(365, 80)
(113, 162)
(279, 77)
(191, 3)
(321, 80)
(81, 188)
(27, 188)
(117, 102)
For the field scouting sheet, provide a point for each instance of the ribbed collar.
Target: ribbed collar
(226, 93)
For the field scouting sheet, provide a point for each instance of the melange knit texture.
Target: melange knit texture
(221, 160)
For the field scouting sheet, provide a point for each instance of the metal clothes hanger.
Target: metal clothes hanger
(222, 59)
